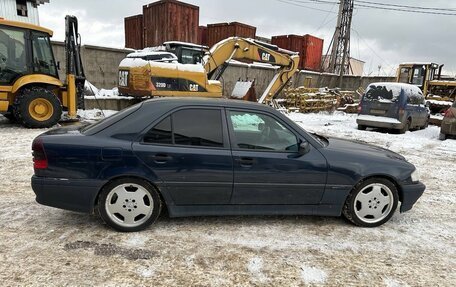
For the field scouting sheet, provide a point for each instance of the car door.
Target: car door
(267, 166)
(189, 152)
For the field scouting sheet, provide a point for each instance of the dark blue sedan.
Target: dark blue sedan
(202, 157)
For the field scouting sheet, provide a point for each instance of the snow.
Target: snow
(133, 63)
(371, 118)
(186, 44)
(101, 94)
(312, 275)
(440, 103)
(241, 89)
(416, 248)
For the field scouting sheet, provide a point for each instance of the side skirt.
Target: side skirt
(221, 210)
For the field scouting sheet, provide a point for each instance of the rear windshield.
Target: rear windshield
(106, 122)
(383, 93)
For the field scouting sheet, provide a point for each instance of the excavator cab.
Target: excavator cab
(31, 92)
(418, 74)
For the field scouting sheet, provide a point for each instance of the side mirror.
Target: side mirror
(304, 147)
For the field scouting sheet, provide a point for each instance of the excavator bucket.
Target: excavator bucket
(244, 90)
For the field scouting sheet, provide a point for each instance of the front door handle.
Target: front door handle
(161, 158)
(246, 161)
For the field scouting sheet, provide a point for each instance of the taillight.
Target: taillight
(449, 114)
(39, 156)
(360, 108)
(401, 112)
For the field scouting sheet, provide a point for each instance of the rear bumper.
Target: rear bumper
(379, 122)
(76, 195)
(410, 195)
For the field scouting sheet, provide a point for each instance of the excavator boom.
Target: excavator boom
(236, 48)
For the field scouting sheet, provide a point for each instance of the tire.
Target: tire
(371, 203)
(37, 107)
(426, 124)
(362, 128)
(129, 204)
(406, 126)
(442, 136)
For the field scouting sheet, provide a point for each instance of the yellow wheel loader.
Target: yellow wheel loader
(31, 92)
(168, 76)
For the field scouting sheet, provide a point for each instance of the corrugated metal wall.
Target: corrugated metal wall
(134, 32)
(312, 52)
(170, 20)
(8, 11)
(219, 31)
(310, 49)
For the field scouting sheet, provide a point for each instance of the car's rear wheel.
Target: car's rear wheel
(129, 204)
(371, 203)
(406, 126)
(442, 136)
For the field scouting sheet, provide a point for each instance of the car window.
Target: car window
(160, 133)
(198, 127)
(383, 93)
(258, 131)
(192, 127)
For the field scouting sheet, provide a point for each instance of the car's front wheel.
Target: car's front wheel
(129, 204)
(371, 203)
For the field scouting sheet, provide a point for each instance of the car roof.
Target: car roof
(215, 102)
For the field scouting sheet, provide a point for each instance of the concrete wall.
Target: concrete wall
(264, 75)
(101, 66)
(100, 63)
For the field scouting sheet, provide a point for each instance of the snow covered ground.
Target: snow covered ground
(45, 246)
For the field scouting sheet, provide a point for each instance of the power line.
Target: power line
(299, 5)
(407, 6)
(376, 5)
(405, 10)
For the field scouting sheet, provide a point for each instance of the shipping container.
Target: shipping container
(170, 20)
(134, 32)
(220, 31)
(312, 52)
(310, 49)
(202, 35)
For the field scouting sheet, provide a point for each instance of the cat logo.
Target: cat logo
(265, 56)
(193, 87)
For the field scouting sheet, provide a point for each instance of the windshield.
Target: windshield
(383, 92)
(12, 55)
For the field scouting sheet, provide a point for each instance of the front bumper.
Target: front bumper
(410, 195)
(70, 194)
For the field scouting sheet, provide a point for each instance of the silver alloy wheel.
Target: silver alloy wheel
(129, 205)
(373, 203)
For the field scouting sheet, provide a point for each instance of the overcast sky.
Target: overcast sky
(379, 37)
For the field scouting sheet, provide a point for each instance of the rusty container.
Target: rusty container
(134, 32)
(293, 43)
(312, 52)
(219, 31)
(202, 35)
(170, 20)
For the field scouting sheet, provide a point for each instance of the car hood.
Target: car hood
(357, 148)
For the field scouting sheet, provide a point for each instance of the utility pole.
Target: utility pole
(339, 62)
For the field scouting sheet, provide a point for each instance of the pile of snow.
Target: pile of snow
(93, 92)
(241, 89)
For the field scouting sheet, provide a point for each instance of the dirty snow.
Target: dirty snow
(44, 246)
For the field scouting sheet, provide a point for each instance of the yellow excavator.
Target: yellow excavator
(31, 92)
(428, 77)
(187, 70)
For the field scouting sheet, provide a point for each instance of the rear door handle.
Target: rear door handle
(246, 161)
(161, 158)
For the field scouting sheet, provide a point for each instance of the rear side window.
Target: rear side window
(161, 133)
(189, 127)
(383, 93)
